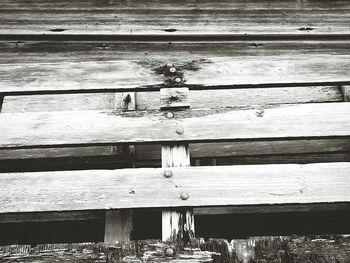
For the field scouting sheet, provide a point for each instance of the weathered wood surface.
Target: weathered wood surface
(175, 18)
(234, 98)
(20, 130)
(148, 187)
(130, 66)
(308, 249)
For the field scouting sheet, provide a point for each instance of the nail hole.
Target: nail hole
(170, 30)
(306, 28)
(57, 30)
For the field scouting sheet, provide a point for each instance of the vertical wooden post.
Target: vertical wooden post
(346, 93)
(119, 223)
(177, 224)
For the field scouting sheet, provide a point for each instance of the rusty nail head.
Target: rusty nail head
(168, 174)
(169, 65)
(169, 252)
(184, 196)
(178, 80)
(172, 70)
(170, 115)
(180, 130)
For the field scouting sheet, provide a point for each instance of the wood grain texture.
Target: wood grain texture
(174, 18)
(130, 66)
(286, 249)
(21, 130)
(147, 187)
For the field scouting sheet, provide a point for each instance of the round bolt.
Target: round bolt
(180, 130)
(170, 115)
(169, 65)
(169, 252)
(172, 70)
(174, 96)
(168, 174)
(178, 80)
(184, 196)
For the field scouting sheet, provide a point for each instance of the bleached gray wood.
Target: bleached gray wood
(94, 127)
(109, 67)
(175, 18)
(176, 224)
(206, 186)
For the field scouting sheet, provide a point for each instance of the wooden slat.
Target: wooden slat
(175, 18)
(51, 216)
(129, 66)
(89, 127)
(147, 187)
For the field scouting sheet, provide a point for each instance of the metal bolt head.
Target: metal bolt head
(178, 80)
(184, 196)
(174, 96)
(180, 130)
(169, 252)
(172, 70)
(169, 65)
(168, 174)
(170, 115)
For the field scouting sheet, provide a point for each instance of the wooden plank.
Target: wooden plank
(262, 209)
(147, 187)
(51, 216)
(174, 18)
(328, 249)
(150, 100)
(236, 98)
(254, 148)
(21, 130)
(101, 67)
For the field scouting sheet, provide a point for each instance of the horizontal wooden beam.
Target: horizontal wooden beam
(148, 187)
(23, 130)
(52, 216)
(108, 66)
(175, 18)
(328, 248)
